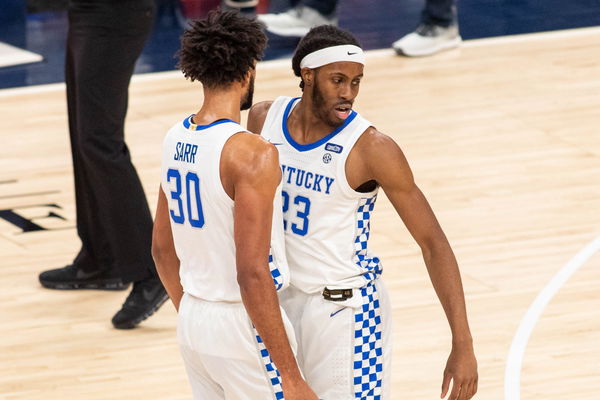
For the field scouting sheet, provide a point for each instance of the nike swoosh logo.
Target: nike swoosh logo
(335, 312)
(276, 144)
(351, 54)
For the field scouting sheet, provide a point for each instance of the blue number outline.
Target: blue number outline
(285, 206)
(189, 177)
(302, 214)
(176, 195)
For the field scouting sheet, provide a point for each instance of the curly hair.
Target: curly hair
(319, 38)
(221, 48)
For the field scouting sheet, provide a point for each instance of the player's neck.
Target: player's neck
(305, 126)
(219, 104)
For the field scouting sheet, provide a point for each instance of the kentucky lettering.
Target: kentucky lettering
(306, 179)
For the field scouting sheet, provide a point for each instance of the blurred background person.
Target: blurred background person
(114, 224)
(437, 31)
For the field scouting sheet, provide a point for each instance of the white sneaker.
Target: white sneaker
(428, 39)
(295, 21)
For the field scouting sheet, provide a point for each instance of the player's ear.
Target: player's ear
(308, 76)
(247, 77)
(251, 73)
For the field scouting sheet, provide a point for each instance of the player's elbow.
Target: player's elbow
(250, 275)
(435, 248)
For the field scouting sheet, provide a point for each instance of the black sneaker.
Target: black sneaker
(71, 278)
(145, 298)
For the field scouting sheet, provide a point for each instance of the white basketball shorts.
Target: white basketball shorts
(344, 348)
(223, 355)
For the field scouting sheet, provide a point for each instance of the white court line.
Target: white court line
(157, 76)
(526, 37)
(171, 74)
(512, 373)
(11, 55)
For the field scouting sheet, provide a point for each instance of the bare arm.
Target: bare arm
(163, 251)
(255, 176)
(386, 164)
(257, 116)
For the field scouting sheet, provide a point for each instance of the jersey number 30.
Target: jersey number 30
(192, 198)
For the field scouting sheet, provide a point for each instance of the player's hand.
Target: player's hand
(461, 368)
(298, 389)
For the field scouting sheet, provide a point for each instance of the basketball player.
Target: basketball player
(212, 236)
(333, 163)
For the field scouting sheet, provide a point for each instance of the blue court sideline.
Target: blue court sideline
(377, 23)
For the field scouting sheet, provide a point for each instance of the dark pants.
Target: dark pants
(113, 219)
(325, 7)
(437, 12)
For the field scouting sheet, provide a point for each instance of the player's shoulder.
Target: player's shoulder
(250, 158)
(257, 115)
(247, 147)
(261, 108)
(248, 141)
(380, 155)
(176, 129)
(376, 143)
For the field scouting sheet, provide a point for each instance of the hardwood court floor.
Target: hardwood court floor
(503, 137)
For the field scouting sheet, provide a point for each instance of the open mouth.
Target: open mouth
(343, 110)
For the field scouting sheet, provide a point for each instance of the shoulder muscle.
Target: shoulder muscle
(248, 159)
(257, 116)
(383, 160)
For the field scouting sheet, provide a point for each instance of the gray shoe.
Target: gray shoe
(428, 39)
(295, 21)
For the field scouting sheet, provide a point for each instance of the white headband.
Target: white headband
(328, 55)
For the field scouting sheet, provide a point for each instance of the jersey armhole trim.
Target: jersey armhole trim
(345, 186)
(270, 127)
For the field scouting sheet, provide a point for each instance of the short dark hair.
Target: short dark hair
(221, 48)
(319, 38)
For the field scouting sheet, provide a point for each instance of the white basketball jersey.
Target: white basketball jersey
(201, 212)
(326, 222)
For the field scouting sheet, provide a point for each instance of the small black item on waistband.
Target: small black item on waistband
(337, 294)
